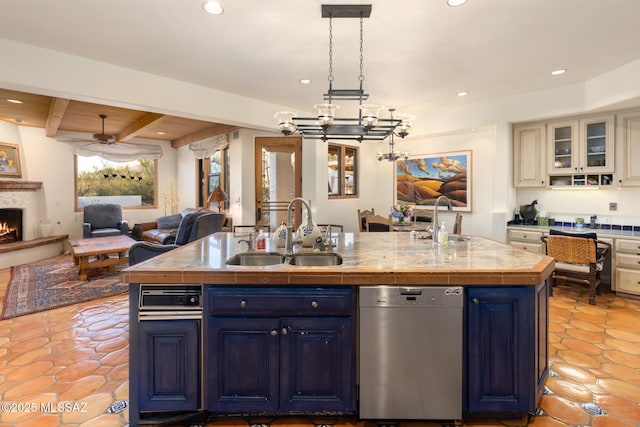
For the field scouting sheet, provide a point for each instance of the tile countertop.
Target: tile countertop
(368, 258)
(601, 232)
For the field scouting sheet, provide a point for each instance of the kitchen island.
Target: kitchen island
(282, 339)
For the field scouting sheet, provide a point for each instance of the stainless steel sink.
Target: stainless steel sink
(316, 259)
(457, 238)
(256, 259)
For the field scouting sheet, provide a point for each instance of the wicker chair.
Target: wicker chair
(578, 260)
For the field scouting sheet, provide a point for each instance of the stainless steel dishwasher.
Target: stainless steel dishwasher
(410, 364)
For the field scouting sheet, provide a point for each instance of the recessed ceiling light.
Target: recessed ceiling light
(160, 133)
(558, 72)
(14, 101)
(456, 3)
(305, 81)
(462, 93)
(213, 7)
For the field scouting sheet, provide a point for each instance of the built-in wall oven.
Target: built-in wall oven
(168, 365)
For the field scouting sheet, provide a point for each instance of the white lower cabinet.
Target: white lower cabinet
(627, 261)
(527, 240)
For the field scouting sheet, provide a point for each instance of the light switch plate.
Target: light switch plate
(613, 206)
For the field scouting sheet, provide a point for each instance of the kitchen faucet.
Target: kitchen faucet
(288, 246)
(436, 226)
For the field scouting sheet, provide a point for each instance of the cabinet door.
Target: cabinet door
(317, 365)
(562, 140)
(596, 144)
(529, 156)
(168, 361)
(501, 350)
(629, 137)
(241, 363)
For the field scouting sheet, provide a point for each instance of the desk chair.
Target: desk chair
(578, 259)
(376, 223)
(362, 218)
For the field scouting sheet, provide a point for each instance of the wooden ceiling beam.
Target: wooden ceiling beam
(56, 112)
(139, 126)
(209, 132)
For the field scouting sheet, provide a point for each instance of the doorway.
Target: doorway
(278, 173)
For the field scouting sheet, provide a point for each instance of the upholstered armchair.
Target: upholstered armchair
(102, 220)
(193, 226)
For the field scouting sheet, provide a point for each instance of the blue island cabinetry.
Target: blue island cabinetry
(507, 352)
(280, 350)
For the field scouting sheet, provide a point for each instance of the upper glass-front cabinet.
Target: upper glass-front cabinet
(581, 146)
(563, 146)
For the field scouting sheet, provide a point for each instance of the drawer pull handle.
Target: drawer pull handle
(243, 303)
(274, 333)
(314, 304)
(475, 301)
(284, 331)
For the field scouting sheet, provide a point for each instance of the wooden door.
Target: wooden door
(278, 175)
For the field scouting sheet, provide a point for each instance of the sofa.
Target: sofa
(163, 230)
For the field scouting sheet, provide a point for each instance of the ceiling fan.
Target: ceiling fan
(96, 138)
(102, 138)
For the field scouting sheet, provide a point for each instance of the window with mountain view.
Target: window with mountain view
(129, 184)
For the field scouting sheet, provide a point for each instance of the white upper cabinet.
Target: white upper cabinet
(628, 137)
(581, 146)
(529, 155)
(562, 150)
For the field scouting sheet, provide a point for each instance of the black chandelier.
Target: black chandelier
(392, 155)
(368, 126)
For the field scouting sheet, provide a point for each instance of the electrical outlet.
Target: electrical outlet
(613, 206)
(605, 220)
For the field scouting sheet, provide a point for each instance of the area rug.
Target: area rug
(54, 282)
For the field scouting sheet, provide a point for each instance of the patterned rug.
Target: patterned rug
(54, 282)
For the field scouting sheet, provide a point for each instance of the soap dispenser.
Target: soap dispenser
(443, 235)
(261, 241)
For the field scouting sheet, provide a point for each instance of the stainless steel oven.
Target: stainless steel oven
(166, 302)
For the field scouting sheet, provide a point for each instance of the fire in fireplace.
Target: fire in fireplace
(10, 225)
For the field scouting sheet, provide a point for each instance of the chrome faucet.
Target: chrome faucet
(436, 226)
(288, 245)
(249, 242)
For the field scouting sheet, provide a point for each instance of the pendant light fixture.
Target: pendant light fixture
(367, 126)
(393, 155)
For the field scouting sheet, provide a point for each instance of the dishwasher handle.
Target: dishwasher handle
(410, 291)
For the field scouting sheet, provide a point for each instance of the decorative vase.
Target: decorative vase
(401, 220)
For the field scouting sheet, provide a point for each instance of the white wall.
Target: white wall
(47, 72)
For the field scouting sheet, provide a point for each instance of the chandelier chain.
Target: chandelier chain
(361, 76)
(330, 78)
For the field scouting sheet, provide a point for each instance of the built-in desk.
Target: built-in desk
(622, 270)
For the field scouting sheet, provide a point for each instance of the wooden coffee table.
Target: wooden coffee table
(100, 252)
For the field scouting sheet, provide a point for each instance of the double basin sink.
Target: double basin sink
(306, 259)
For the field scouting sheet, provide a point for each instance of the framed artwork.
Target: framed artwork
(421, 179)
(9, 160)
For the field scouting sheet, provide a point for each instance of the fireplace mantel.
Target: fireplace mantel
(20, 185)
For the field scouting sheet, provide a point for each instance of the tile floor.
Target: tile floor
(68, 367)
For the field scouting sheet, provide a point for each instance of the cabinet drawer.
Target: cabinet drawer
(632, 246)
(531, 247)
(628, 281)
(528, 236)
(296, 301)
(628, 260)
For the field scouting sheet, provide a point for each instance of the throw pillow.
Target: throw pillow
(169, 221)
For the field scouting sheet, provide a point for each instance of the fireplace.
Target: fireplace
(10, 225)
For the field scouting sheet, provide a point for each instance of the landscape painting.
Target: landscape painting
(421, 179)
